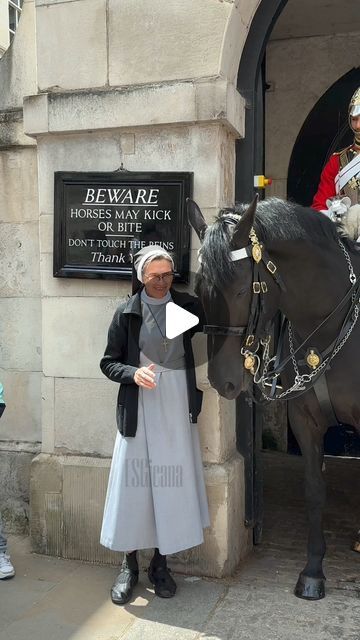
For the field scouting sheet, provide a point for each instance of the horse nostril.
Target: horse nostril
(229, 388)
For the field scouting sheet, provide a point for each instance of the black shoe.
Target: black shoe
(122, 589)
(159, 575)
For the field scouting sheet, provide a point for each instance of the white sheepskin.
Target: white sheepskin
(350, 222)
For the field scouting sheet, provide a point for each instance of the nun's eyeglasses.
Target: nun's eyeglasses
(158, 277)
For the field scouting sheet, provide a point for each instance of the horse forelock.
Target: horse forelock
(217, 268)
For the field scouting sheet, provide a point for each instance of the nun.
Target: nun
(156, 497)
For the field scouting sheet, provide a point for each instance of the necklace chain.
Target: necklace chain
(165, 341)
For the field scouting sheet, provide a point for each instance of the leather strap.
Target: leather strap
(272, 268)
(355, 289)
(217, 330)
(284, 324)
(322, 393)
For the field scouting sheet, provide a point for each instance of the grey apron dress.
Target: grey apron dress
(156, 493)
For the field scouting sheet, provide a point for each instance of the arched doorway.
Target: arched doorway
(290, 59)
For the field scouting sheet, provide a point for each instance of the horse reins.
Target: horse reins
(255, 335)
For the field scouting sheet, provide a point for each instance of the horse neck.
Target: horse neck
(316, 277)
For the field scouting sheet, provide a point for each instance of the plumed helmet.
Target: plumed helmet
(354, 111)
(354, 106)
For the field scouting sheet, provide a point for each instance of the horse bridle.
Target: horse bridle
(261, 261)
(315, 360)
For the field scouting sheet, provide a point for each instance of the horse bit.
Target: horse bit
(314, 360)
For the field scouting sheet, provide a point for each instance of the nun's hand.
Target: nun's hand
(145, 377)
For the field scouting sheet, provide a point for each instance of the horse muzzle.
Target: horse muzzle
(229, 388)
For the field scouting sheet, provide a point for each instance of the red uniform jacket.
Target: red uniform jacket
(326, 187)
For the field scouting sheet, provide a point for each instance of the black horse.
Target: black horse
(254, 261)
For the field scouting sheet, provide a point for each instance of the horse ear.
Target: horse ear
(196, 218)
(242, 229)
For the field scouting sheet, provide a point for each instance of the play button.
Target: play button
(178, 320)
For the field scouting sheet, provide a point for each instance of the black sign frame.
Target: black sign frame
(174, 187)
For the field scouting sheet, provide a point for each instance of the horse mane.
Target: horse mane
(276, 220)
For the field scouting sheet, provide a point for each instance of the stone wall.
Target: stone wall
(78, 408)
(20, 303)
(84, 92)
(88, 85)
(4, 26)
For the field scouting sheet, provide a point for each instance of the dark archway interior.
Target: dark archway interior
(324, 131)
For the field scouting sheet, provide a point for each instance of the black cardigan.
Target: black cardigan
(122, 357)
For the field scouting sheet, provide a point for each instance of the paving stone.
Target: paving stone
(182, 616)
(68, 600)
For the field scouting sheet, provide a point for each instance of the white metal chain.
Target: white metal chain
(352, 276)
(306, 378)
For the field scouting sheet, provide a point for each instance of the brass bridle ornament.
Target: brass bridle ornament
(265, 369)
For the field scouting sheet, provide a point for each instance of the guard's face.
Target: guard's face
(158, 276)
(355, 123)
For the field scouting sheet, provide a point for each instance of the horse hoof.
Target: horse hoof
(310, 588)
(356, 545)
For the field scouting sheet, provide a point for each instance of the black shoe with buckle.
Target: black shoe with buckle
(159, 575)
(122, 589)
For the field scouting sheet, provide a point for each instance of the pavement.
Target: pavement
(57, 599)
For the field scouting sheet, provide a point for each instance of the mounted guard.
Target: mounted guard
(341, 175)
(276, 256)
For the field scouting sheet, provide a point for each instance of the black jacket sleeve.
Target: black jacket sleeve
(113, 363)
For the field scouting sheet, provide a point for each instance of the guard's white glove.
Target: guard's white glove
(337, 207)
(350, 223)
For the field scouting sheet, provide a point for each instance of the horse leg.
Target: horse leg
(311, 581)
(356, 544)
